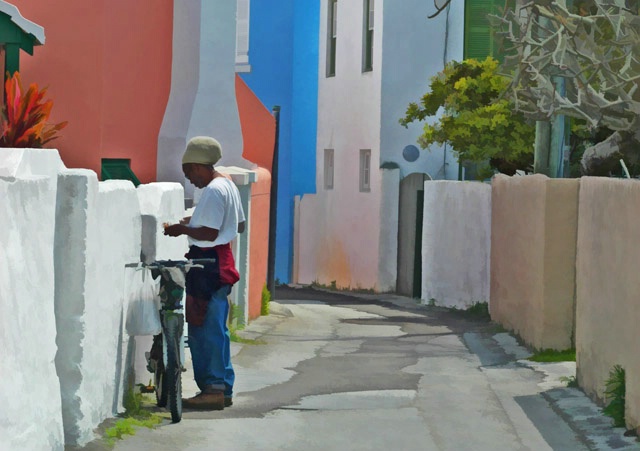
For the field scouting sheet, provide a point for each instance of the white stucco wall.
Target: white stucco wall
(98, 231)
(456, 243)
(31, 417)
(160, 202)
(414, 49)
(202, 100)
(388, 263)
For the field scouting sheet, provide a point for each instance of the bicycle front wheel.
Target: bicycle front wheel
(173, 369)
(161, 385)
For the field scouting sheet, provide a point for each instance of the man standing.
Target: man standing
(217, 219)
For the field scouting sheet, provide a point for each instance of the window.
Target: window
(118, 169)
(332, 29)
(328, 168)
(367, 42)
(479, 40)
(365, 170)
(242, 36)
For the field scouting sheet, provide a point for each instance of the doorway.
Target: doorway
(410, 212)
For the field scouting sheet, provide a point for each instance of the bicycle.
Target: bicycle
(167, 352)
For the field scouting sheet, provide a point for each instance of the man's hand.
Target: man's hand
(174, 230)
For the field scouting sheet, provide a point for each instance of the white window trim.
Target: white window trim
(243, 9)
(329, 165)
(365, 170)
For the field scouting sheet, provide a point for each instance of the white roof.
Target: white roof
(26, 25)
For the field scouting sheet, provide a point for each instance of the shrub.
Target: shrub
(25, 116)
(266, 299)
(615, 393)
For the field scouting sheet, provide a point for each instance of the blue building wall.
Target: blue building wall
(283, 54)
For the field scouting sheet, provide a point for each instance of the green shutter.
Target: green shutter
(118, 169)
(478, 40)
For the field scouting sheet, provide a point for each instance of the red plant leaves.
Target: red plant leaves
(24, 116)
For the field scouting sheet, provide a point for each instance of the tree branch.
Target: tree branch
(439, 9)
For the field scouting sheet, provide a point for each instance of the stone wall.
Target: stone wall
(608, 307)
(533, 248)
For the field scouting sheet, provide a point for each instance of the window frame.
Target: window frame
(332, 37)
(367, 35)
(329, 169)
(243, 16)
(365, 170)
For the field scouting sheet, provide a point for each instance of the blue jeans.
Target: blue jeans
(210, 346)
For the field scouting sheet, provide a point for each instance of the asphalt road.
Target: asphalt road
(381, 372)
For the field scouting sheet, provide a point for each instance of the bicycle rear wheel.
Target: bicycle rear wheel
(173, 370)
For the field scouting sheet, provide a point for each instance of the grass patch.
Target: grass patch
(551, 355)
(571, 381)
(479, 310)
(233, 335)
(135, 416)
(615, 392)
(235, 326)
(334, 287)
(265, 301)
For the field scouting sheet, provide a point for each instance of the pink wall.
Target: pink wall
(108, 67)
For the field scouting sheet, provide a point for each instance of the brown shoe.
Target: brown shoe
(228, 401)
(205, 401)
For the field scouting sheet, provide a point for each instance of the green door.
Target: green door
(417, 256)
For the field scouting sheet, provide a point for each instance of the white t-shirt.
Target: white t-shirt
(219, 208)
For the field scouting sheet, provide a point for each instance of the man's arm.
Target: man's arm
(241, 226)
(201, 233)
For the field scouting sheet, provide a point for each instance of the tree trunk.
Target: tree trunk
(604, 157)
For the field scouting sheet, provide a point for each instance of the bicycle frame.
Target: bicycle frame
(168, 382)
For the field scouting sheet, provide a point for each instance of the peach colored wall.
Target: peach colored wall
(607, 284)
(259, 241)
(258, 127)
(258, 136)
(108, 67)
(533, 248)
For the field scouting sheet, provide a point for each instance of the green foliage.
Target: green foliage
(266, 299)
(135, 416)
(480, 125)
(551, 355)
(571, 381)
(479, 310)
(615, 392)
(233, 335)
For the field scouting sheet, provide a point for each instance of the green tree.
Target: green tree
(476, 120)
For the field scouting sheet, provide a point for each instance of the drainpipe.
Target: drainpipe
(271, 263)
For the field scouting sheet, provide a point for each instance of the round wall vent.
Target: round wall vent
(410, 153)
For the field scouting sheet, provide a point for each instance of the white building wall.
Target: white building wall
(415, 49)
(456, 243)
(31, 417)
(202, 100)
(346, 228)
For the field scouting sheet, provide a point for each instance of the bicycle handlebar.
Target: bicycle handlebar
(186, 264)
